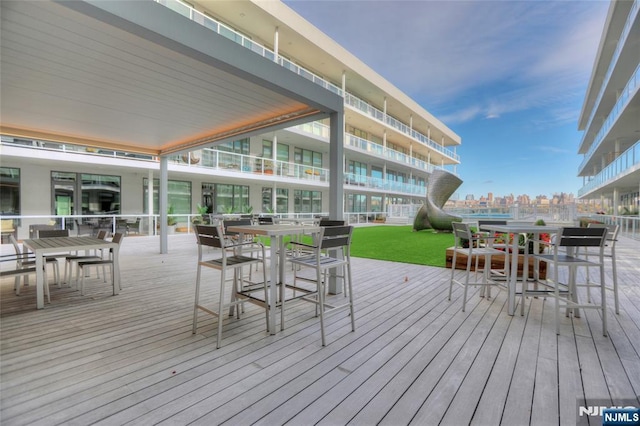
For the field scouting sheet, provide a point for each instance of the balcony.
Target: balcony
(383, 185)
(614, 60)
(627, 94)
(628, 160)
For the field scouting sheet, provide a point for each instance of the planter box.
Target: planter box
(497, 262)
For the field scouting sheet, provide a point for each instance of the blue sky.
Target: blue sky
(509, 77)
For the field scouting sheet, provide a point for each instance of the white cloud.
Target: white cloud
(502, 56)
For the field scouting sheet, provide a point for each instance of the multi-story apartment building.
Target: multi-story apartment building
(610, 116)
(390, 144)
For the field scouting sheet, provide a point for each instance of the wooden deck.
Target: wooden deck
(415, 358)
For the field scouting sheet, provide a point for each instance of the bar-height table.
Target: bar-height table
(277, 260)
(517, 229)
(43, 246)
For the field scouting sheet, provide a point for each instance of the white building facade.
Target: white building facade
(610, 116)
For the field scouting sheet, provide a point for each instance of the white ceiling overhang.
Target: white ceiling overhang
(136, 76)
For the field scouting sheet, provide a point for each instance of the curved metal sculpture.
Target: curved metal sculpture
(440, 187)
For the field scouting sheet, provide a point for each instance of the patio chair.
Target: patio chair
(467, 243)
(82, 264)
(565, 252)
(55, 233)
(233, 238)
(7, 228)
(24, 261)
(134, 226)
(83, 229)
(230, 259)
(330, 222)
(265, 220)
(609, 252)
(71, 259)
(315, 256)
(20, 265)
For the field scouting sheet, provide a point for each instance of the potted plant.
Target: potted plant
(202, 211)
(543, 237)
(268, 167)
(171, 220)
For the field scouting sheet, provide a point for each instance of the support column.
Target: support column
(151, 224)
(276, 42)
(336, 169)
(163, 203)
(336, 181)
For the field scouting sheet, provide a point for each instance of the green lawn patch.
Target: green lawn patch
(401, 244)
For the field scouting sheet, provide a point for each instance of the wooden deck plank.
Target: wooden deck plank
(100, 359)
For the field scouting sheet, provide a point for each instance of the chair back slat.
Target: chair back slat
(612, 230)
(208, 235)
(330, 222)
(461, 231)
(117, 237)
(53, 233)
(582, 237)
(336, 236)
(235, 222)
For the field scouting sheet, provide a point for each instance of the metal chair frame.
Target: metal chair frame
(230, 258)
(565, 252)
(461, 233)
(318, 256)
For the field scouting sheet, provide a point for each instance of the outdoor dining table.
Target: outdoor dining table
(516, 229)
(277, 258)
(41, 247)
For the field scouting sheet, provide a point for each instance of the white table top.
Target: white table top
(521, 228)
(273, 230)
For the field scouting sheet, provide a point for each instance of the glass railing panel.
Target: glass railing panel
(364, 181)
(177, 6)
(209, 23)
(627, 160)
(354, 102)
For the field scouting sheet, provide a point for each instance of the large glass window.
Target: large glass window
(376, 203)
(307, 157)
(357, 203)
(267, 149)
(225, 198)
(357, 168)
(9, 191)
(283, 152)
(100, 194)
(240, 146)
(357, 132)
(305, 201)
(85, 193)
(236, 147)
(64, 194)
(282, 200)
(179, 196)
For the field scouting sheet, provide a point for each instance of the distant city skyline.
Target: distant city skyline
(508, 77)
(522, 198)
